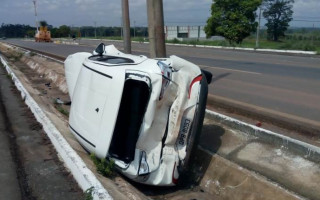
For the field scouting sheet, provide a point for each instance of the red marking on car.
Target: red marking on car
(197, 79)
(174, 180)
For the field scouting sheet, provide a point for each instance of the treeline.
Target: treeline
(89, 31)
(20, 31)
(16, 30)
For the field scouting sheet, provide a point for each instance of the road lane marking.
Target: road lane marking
(235, 70)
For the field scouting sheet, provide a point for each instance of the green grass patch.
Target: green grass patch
(263, 44)
(88, 194)
(15, 56)
(9, 76)
(104, 166)
(62, 110)
(32, 54)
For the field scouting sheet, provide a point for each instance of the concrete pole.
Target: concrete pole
(258, 29)
(313, 34)
(95, 29)
(126, 26)
(134, 29)
(156, 28)
(36, 14)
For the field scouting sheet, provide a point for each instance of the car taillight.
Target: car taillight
(166, 72)
(197, 79)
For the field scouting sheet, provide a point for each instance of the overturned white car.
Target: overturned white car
(143, 113)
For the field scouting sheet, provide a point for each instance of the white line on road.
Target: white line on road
(235, 70)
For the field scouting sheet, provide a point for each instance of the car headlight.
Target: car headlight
(144, 167)
(166, 72)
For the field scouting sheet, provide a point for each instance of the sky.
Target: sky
(108, 12)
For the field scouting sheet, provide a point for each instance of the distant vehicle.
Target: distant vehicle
(43, 35)
(145, 114)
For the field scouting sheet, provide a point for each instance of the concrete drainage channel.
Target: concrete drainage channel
(234, 160)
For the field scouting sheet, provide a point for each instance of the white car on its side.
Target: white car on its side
(144, 114)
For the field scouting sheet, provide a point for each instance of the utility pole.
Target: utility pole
(35, 13)
(258, 29)
(134, 29)
(126, 26)
(95, 29)
(121, 29)
(156, 28)
(313, 34)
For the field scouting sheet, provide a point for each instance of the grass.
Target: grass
(88, 194)
(264, 44)
(62, 110)
(104, 166)
(16, 56)
(32, 54)
(9, 76)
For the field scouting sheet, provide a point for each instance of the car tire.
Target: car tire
(195, 132)
(208, 75)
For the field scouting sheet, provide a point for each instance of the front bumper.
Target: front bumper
(172, 150)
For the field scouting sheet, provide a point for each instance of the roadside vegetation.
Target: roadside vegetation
(250, 42)
(89, 193)
(60, 108)
(104, 166)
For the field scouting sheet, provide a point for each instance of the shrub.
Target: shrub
(104, 166)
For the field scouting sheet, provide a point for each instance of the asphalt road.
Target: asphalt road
(285, 85)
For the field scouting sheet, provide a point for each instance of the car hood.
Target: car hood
(95, 105)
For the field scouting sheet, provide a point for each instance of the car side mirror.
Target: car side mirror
(100, 49)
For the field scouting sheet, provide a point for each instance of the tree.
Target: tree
(15, 30)
(278, 14)
(64, 31)
(232, 19)
(43, 23)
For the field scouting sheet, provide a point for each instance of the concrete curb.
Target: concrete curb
(260, 50)
(82, 174)
(301, 148)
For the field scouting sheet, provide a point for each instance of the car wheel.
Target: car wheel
(195, 132)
